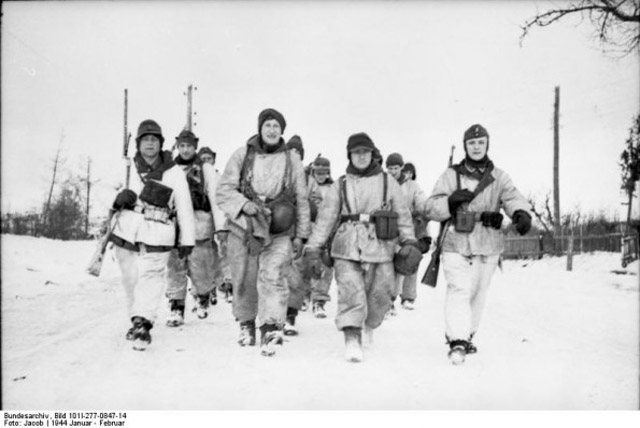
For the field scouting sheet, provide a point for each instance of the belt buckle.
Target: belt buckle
(365, 218)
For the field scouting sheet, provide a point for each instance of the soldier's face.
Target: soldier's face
(321, 176)
(361, 158)
(149, 145)
(395, 171)
(271, 132)
(207, 158)
(186, 150)
(476, 147)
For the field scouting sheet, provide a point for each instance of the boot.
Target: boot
(247, 333)
(141, 336)
(290, 328)
(213, 297)
(408, 305)
(471, 348)
(202, 306)
(457, 351)
(318, 310)
(270, 338)
(353, 344)
(176, 317)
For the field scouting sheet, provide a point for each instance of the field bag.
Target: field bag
(465, 220)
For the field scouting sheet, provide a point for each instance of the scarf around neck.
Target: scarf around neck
(155, 171)
(373, 169)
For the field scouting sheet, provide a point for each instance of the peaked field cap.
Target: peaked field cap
(268, 114)
(149, 127)
(475, 131)
(321, 162)
(187, 136)
(395, 159)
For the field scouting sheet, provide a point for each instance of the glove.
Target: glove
(491, 219)
(297, 248)
(522, 221)
(126, 199)
(250, 208)
(458, 198)
(184, 251)
(407, 260)
(424, 243)
(313, 262)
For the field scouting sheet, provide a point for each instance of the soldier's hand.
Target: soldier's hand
(126, 199)
(491, 219)
(522, 221)
(313, 262)
(297, 248)
(458, 198)
(424, 243)
(184, 251)
(250, 208)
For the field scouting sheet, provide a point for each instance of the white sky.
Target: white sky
(413, 75)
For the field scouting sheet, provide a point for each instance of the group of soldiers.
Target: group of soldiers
(277, 233)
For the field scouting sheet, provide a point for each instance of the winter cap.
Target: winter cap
(149, 127)
(475, 131)
(359, 140)
(206, 150)
(394, 159)
(187, 137)
(268, 114)
(321, 164)
(295, 142)
(409, 167)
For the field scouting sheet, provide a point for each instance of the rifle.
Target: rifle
(430, 277)
(95, 265)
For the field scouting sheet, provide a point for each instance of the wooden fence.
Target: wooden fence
(537, 246)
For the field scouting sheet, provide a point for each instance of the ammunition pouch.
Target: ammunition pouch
(386, 224)
(465, 221)
(156, 197)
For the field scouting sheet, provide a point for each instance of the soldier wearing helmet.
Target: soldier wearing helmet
(264, 196)
(145, 232)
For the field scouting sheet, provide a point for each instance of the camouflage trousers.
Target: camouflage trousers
(298, 282)
(364, 292)
(260, 289)
(320, 287)
(143, 278)
(406, 287)
(198, 267)
(468, 279)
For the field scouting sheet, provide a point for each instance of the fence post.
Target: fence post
(570, 252)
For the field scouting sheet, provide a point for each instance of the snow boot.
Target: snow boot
(270, 338)
(457, 351)
(290, 328)
(213, 297)
(247, 333)
(367, 337)
(202, 306)
(471, 348)
(391, 312)
(408, 305)
(305, 304)
(176, 317)
(318, 310)
(353, 344)
(141, 336)
(228, 292)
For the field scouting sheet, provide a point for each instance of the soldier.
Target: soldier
(471, 194)
(209, 219)
(145, 232)
(207, 155)
(406, 286)
(299, 283)
(373, 218)
(318, 188)
(263, 193)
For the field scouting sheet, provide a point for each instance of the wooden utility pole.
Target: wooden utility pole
(189, 108)
(86, 220)
(556, 166)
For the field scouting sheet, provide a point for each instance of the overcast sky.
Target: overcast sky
(413, 75)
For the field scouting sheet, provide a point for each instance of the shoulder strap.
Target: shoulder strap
(457, 178)
(343, 193)
(245, 179)
(384, 189)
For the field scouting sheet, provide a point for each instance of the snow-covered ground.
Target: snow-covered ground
(550, 339)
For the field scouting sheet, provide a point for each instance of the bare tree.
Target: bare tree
(630, 165)
(56, 164)
(543, 213)
(616, 22)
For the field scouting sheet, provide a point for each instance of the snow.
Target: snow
(550, 340)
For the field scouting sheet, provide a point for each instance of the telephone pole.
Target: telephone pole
(86, 220)
(556, 166)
